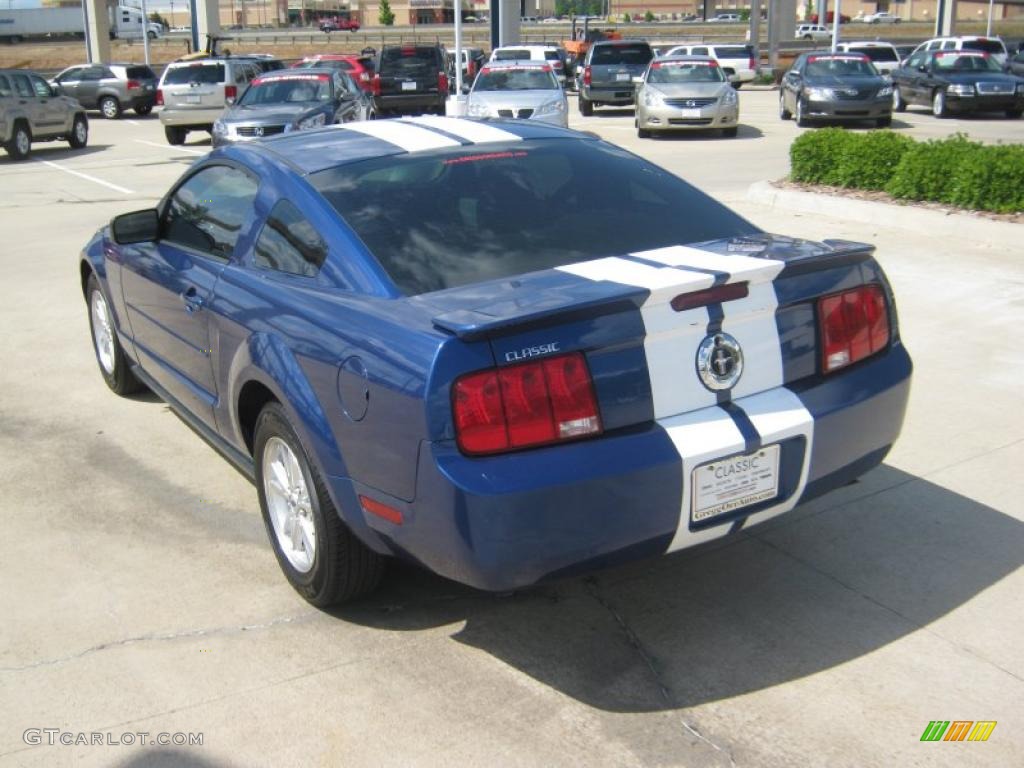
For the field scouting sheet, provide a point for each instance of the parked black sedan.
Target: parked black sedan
(822, 85)
(957, 82)
(292, 100)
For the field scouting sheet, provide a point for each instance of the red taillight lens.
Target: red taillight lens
(586, 75)
(525, 405)
(375, 85)
(752, 64)
(854, 325)
(230, 92)
(133, 85)
(159, 97)
(442, 82)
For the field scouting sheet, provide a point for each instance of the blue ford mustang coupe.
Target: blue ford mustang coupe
(505, 351)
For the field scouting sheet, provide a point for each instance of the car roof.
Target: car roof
(679, 57)
(298, 74)
(335, 57)
(312, 151)
(525, 47)
(518, 64)
(866, 44)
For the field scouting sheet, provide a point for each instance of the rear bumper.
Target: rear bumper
(621, 95)
(185, 118)
(409, 102)
(505, 522)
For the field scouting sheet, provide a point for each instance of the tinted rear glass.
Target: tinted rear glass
(990, 46)
(634, 53)
(409, 61)
(195, 73)
(469, 214)
(877, 54)
(511, 55)
(733, 51)
(140, 73)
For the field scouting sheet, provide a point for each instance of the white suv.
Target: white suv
(551, 54)
(993, 46)
(884, 56)
(813, 32)
(736, 60)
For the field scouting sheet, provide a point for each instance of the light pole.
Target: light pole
(988, 29)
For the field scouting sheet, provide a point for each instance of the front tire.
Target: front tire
(939, 108)
(20, 145)
(801, 119)
(898, 104)
(175, 135)
(320, 557)
(79, 136)
(883, 122)
(110, 108)
(110, 356)
(784, 114)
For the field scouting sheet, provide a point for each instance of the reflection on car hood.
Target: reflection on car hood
(849, 81)
(271, 113)
(687, 90)
(974, 77)
(514, 99)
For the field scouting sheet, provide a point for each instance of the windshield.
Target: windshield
(207, 74)
(877, 53)
(515, 79)
(964, 62)
(468, 214)
(283, 89)
(839, 66)
(685, 72)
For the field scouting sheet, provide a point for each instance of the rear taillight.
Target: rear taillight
(364, 77)
(854, 325)
(230, 91)
(525, 405)
(752, 64)
(442, 82)
(133, 85)
(159, 97)
(586, 75)
(375, 85)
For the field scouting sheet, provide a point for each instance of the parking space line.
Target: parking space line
(168, 146)
(87, 177)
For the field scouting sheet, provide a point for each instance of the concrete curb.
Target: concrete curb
(963, 226)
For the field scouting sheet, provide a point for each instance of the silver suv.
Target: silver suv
(110, 88)
(31, 110)
(194, 93)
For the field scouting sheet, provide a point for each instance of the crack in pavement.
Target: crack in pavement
(160, 637)
(592, 589)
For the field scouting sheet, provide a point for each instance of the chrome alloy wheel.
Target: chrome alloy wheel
(103, 333)
(22, 142)
(287, 495)
(81, 131)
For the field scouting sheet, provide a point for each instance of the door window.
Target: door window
(71, 76)
(5, 86)
(93, 74)
(21, 85)
(289, 243)
(208, 211)
(41, 87)
(915, 61)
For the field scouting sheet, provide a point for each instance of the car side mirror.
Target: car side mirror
(466, 89)
(136, 227)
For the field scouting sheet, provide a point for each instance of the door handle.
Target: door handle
(191, 299)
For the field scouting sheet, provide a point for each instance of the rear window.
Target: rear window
(140, 73)
(634, 53)
(468, 214)
(208, 74)
(512, 54)
(989, 46)
(877, 53)
(409, 61)
(733, 51)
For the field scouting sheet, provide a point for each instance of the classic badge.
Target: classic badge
(719, 361)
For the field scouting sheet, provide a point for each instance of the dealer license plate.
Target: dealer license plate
(689, 113)
(194, 98)
(725, 485)
(408, 86)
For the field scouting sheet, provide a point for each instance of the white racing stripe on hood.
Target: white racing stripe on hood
(408, 137)
(478, 133)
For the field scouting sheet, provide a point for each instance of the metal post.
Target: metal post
(988, 29)
(755, 32)
(145, 32)
(835, 27)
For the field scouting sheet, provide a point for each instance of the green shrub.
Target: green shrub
(990, 179)
(814, 155)
(926, 170)
(868, 160)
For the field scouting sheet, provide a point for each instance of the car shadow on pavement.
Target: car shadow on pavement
(845, 576)
(167, 757)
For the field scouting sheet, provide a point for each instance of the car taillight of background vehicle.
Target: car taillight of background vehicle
(133, 85)
(586, 75)
(159, 97)
(752, 64)
(854, 325)
(525, 405)
(230, 91)
(442, 82)
(375, 85)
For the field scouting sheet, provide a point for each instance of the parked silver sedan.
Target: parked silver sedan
(686, 93)
(519, 89)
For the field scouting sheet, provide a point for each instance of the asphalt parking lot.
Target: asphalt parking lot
(140, 594)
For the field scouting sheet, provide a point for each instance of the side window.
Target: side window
(949, 45)
(71, 76)
(41, 87)
(21, 85)
(289, 243)
(700, 50)
(5, 86)
(92, 74)
(915, 61)
(208, 211)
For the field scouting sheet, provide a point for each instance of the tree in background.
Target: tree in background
(154, 16)
(385, 15)
(648, 16)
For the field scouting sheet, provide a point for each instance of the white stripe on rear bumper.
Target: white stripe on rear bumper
(478, 133)
(411, 138)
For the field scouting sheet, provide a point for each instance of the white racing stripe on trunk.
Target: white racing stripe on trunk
(411, 138)
(478, 133)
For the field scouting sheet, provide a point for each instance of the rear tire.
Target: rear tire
(175, 135)
(79, 135)
(329, 565)
(143, 111)
(20, 145)
(110, 108)
(586, 108)
(110, 356)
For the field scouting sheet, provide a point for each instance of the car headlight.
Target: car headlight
(653, 98)
(312, 122)
(220, 128)
(960, 89)
(730, 98)
(885, 90)
(477, 109)
(550, 108)
(819, 94)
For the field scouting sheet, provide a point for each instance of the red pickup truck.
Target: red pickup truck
(338, 25)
